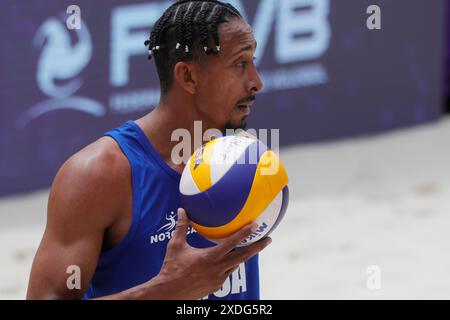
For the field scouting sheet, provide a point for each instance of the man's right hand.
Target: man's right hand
(190, 273)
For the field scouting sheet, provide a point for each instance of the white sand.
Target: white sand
(382, 201)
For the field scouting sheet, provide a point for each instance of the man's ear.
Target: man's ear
(186, 76)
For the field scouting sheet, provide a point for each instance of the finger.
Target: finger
(228, 272)
(229, 243)
(231, 270)
(182, 226)
(236, 257)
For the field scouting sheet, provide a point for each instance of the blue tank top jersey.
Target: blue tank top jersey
(139, 256)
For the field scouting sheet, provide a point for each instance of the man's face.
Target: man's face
(228, 81)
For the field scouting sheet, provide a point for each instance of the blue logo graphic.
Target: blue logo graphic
(59, 64)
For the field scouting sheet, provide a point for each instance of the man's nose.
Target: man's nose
(255, 84)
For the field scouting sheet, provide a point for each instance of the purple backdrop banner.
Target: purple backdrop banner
(326, 74)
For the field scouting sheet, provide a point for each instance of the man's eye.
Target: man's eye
(243, 64)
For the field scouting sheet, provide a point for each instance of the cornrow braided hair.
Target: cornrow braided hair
(214, 16)
(184, 32)
(188, 18)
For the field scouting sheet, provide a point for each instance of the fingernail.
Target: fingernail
(254, 226)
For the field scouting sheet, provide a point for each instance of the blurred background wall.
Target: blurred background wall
(327, 76)
(447, 62)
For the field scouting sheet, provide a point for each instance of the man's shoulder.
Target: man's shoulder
(99, 169)
(101, 159)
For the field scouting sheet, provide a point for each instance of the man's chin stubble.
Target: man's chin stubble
(230, 126)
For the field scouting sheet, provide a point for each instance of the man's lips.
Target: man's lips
(246, 105)
(245, 108)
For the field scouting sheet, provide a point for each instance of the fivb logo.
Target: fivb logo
(165, 232)
(198, 158)
(302, 31)
(59, 66)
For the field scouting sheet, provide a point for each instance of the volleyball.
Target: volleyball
(232, 181)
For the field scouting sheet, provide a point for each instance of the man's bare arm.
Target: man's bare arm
(85, 200)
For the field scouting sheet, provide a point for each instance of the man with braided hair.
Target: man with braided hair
(112, 206)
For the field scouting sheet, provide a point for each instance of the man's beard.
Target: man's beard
(230, 126)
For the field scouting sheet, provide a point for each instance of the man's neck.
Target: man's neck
(159, 125)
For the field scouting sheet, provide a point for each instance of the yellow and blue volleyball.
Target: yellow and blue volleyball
(230, 182)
